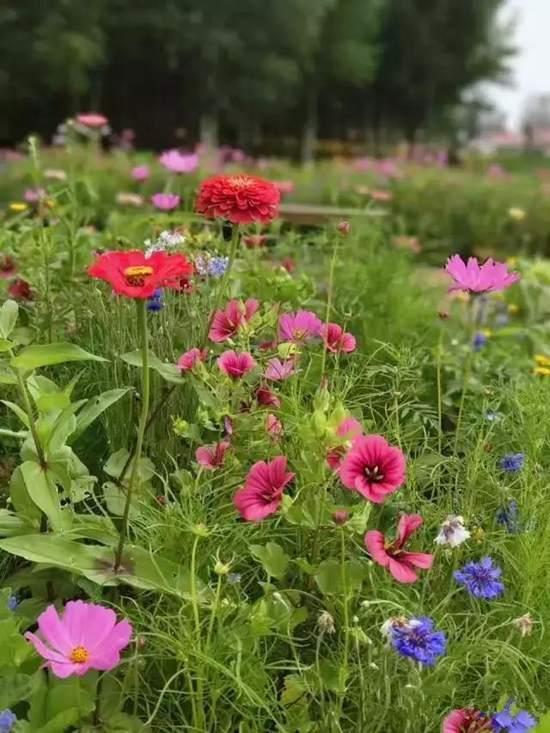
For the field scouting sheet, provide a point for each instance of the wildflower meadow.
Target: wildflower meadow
(261, 475)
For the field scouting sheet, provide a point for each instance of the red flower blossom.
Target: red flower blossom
(336, 339)
(266, 397)
(92, 119)
(20, 289)
(373, 468)
(136, 276)
(253, 241)
(8, 268)
(212, 457)
(189, 360)
(236, 365)
(225, 324)
(262, 492)
(392, 556)
(467, 720)
(347, 431)
(273, 426)
(288, 264)
(240, 199)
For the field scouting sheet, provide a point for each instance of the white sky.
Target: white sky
(531, 66)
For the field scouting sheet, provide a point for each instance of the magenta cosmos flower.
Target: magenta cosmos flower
(236, 364)
(467, 720)
(86, 636)
(262, 492)
(391, 555)
(177, 162)
(92, 119)
(336, 339)
(299, 327)
(346, 432)
(277, 370)
(228, 322)
(140, 173)
(212, 457)
(373, 468)
(189, 360)
(165, 201)
(475, 278)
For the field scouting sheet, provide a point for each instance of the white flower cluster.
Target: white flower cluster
(165, 240)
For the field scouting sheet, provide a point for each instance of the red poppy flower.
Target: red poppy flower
(20, 289)
(240, 199)
(136, 276)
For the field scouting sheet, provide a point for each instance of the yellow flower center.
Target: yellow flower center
(136, 274)
(240, 181)
(79, 655)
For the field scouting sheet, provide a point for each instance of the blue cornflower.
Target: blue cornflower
(7, 721)
(512, 462)
(12, 603)
(156, 302)
(480, 339)
(506, 722)
(481, 579)
(508, 516)
(217, 266)
(417, 640)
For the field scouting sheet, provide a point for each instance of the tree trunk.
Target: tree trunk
(309, 131)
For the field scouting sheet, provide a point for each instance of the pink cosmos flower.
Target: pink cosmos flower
(347, 431)
(86, 636)
(336, 339)
(177, 162)
(373, 468)
(34, 195)
(262, 493)
(473, 278)
(273, 426)
(92, 119)
(277, 370)
(189, 360)
(212, 457)
(236, 365)
(235, 316)
(267, 397)
(467, 720)
(299, 327)
(140, 173)
(392, 556)
(165, 201)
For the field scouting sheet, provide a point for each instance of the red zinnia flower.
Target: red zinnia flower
(262, 493)
(136, 276)
(7, 267)
(240, 199)
(373, 468)
(20, 289)
(467, 720)
(392, 556)
(235, 316)
(211, 457)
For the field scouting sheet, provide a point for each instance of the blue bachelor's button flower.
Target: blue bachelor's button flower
(508, 517)
(7, 721)
(417, 639)
(156, 302)
(12, 603)
(508, 722)
(480, 339)
(481, 579)
(512, 462)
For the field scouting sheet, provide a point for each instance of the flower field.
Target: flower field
(257, 476)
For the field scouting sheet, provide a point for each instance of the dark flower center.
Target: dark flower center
(137, 274)
(374, 474)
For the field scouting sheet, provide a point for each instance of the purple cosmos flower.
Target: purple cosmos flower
(177, 162)
(278, 370)
(165, 201)
(299, 327)
(481, 579)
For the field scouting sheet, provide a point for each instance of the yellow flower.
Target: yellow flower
(542, 371)
(542, 360)
(516, 214)
(487, 332)
(513, 309)
(512, 262)
(18, 206)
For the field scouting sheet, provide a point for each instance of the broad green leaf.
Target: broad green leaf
(7, 376)
(20, 499)
(93, 409)
(15, 689)
(8, 318)
(21, 414)
(272, 557)
(13, 650)
(330, 577)
(33, 357)
(5, 345)
(169, 372)
(43, 491)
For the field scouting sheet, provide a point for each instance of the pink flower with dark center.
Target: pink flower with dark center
(177, 162)
(266, 397)
(391, 555)
(212, 457)
(140, 173)
(189, 360)
(336, 339)
(236, 365)
(373, 468)
(227, 323)
(86, 636)
(299, 327)
(262, 493)
(467, 720)
(273, 426)
(277, 370)
(347, 431)
(475, 278)
(92, 120)
(165, 201)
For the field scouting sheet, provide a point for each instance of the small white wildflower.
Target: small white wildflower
(524, 624)
(325, 623)
(452, 532)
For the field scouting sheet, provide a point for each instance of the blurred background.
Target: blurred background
(301, 78)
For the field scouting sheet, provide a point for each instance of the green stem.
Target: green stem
(467, 371)
(199, 717)
(439, 393)
(145, 389)
(329, 299)
(344, 667)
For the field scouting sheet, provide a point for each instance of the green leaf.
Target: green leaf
(7, 376)
(93, 409)
(544, 724)
(12, 525)
(21, 414)
(33, 357)
(15, 689)
(5, 345)
(8, 318)
(43, 491)
(169, 372)
(331, 579)
(272, 557)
